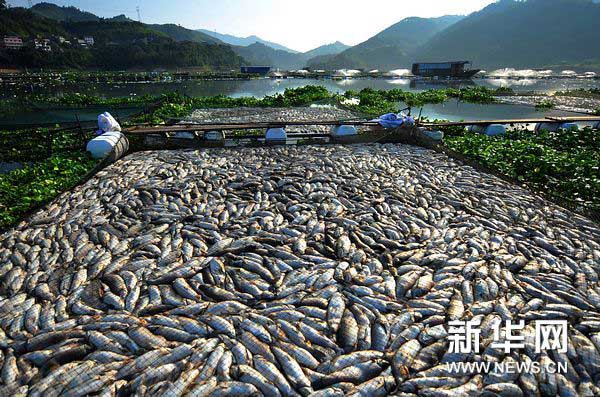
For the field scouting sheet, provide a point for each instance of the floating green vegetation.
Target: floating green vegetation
(25, 189)
(580, 92)
(54, 160)
(37, 144)
(175, 105)
(376, 102)
(564, 165)
(81, 100)
(545, 104)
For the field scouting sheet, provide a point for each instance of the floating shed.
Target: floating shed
(454, 70)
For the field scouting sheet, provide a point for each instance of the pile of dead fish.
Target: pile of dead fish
(257, 115)
(289, 271)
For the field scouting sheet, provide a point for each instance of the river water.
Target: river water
(451, 110)
(262, 87)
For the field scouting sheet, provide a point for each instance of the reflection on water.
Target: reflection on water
(456, 111)
(514, 84)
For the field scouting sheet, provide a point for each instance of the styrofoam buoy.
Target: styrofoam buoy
(569, 126)
(343, 130)
(546, 127)
(495, 129)
(110, 144)
(436, 135)
(553, 127)
(107, 123)
(184, 135)
(275, 135)
(489, 130)
(476, 128)
(214, 136)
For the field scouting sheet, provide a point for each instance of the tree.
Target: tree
(2, 5)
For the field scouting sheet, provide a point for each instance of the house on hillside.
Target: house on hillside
(11, 42)
(42, 44)
(89, 40)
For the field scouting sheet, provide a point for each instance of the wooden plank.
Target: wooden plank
(573, 118)
(290, 136)
(240, 126)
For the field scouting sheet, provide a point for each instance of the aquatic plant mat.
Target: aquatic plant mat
(47, 161)
(563, 165)
(292, 270)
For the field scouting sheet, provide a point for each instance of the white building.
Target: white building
(42, 44)
(12, 42)
(89, 40)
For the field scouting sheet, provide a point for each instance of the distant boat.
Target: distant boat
(453, 70)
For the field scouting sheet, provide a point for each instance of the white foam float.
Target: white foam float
(184, 135)
(276, 135)
(511, 82)
(343, 130)
(214, 136)
(399, 73)
(489, 129)
(553, 127)
(436, 135)
(513, 73)
(110, 144)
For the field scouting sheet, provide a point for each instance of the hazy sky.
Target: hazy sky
(297, 24)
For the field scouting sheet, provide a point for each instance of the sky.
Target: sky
(298, 24)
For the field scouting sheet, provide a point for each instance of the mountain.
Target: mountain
(244, 41)
(121, 18)
(259, 54)
(52, 11)
(533, 33)
(72, 14)
(118, 45)
(327, 49)
(389, 49)
(23, 23)
(179, 33)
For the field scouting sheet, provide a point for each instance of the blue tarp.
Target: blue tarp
(393, 120)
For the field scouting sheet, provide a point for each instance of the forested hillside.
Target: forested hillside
(117, 45)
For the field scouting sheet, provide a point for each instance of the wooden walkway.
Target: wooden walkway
(144, 129)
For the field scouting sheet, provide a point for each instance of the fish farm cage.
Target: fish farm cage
(38, 143)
